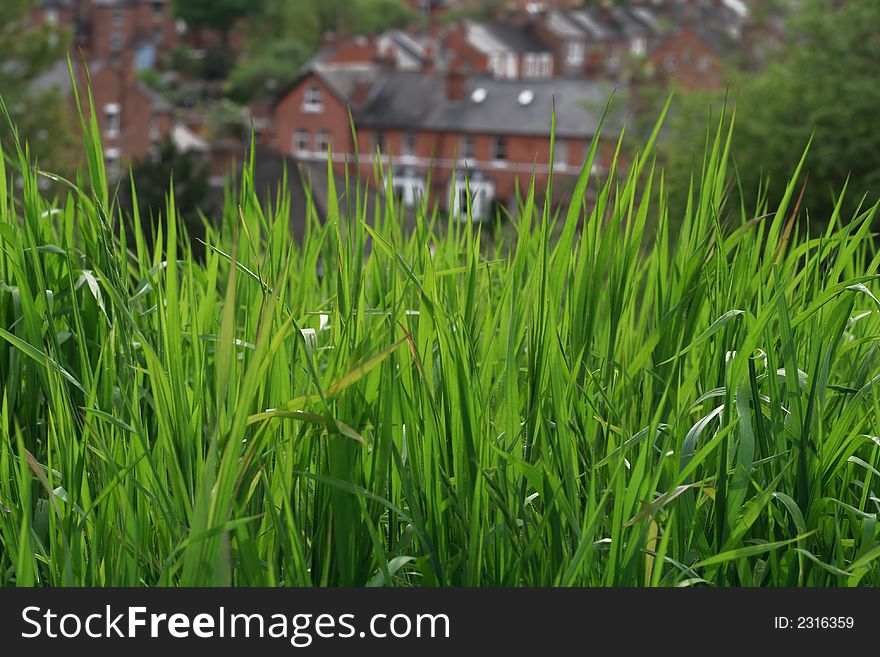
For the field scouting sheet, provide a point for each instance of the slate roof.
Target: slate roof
(514, 38)
(418, 101)
(347, 80)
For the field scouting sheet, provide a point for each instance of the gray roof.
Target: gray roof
(418, 101)
(515, 39)
(601, 23)
(345, 79)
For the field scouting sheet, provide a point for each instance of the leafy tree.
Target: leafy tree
(286, 34)
(219, 15)
(824, 87)
(37, 109)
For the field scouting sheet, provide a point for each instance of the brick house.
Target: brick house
(598, 41)
(60, 13)
(460, 131)
(110, 26)
(504, 49)
(692, 57)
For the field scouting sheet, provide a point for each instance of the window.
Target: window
(512, 67)
(574, 53)
(560, 154)
(158, 10)
(669, 62)
(482, 193)
(410, 142)
(51, 16)
(499, 149)
(301, 142)
(495, 65)
(379, 143)
(112, 117)
(703, 64)
(531, 66)
(467, 148)
(687, 55)
(314, 99)
(408, 188)
(116, 40)
(323, 143)
(117, 16)
(639, 46)
(111, 161)
(546, 66)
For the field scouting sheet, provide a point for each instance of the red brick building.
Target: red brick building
(459, 131)
(119, 38)
(110, 26)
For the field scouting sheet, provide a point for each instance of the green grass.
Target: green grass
(592, 403)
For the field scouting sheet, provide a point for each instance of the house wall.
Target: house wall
(141, 124)
(441, 152)
(291, 115)
(688, 60)
(114, 27)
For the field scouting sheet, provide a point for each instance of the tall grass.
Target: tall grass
(594, 403)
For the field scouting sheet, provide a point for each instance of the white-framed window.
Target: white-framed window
(499, 149)
(112, 157)
(530, 66)
(112, 120)
(116, 40)
(117, 16)
(314, 99)
(322, 143)
(560, 152)
(408, 188)
(512, 66)
(301, 141)
(687, 55)
(410, 144)
(467, 150)
(158, 11)
(574, 53)
(638, 46)
(546, 66)
(481, 192)
(496, 64)
(703, 63)
(51, 17)
(669, 62)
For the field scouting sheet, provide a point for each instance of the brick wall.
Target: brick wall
(293, 114)
(688, 60)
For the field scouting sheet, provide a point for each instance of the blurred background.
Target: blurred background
(446, 97)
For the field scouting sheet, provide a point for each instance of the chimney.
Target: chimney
(429, 58)
(455, 82)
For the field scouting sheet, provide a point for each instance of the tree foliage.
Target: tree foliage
(823, 88)
(286, 34)
(27, 54)
(220, 15)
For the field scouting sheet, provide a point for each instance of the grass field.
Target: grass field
(616, 397)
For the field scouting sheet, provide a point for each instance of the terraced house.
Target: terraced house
(444, 133)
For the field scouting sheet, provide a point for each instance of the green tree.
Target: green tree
(27, 55)
(284, 35)
(219, 15)
(823, 86)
